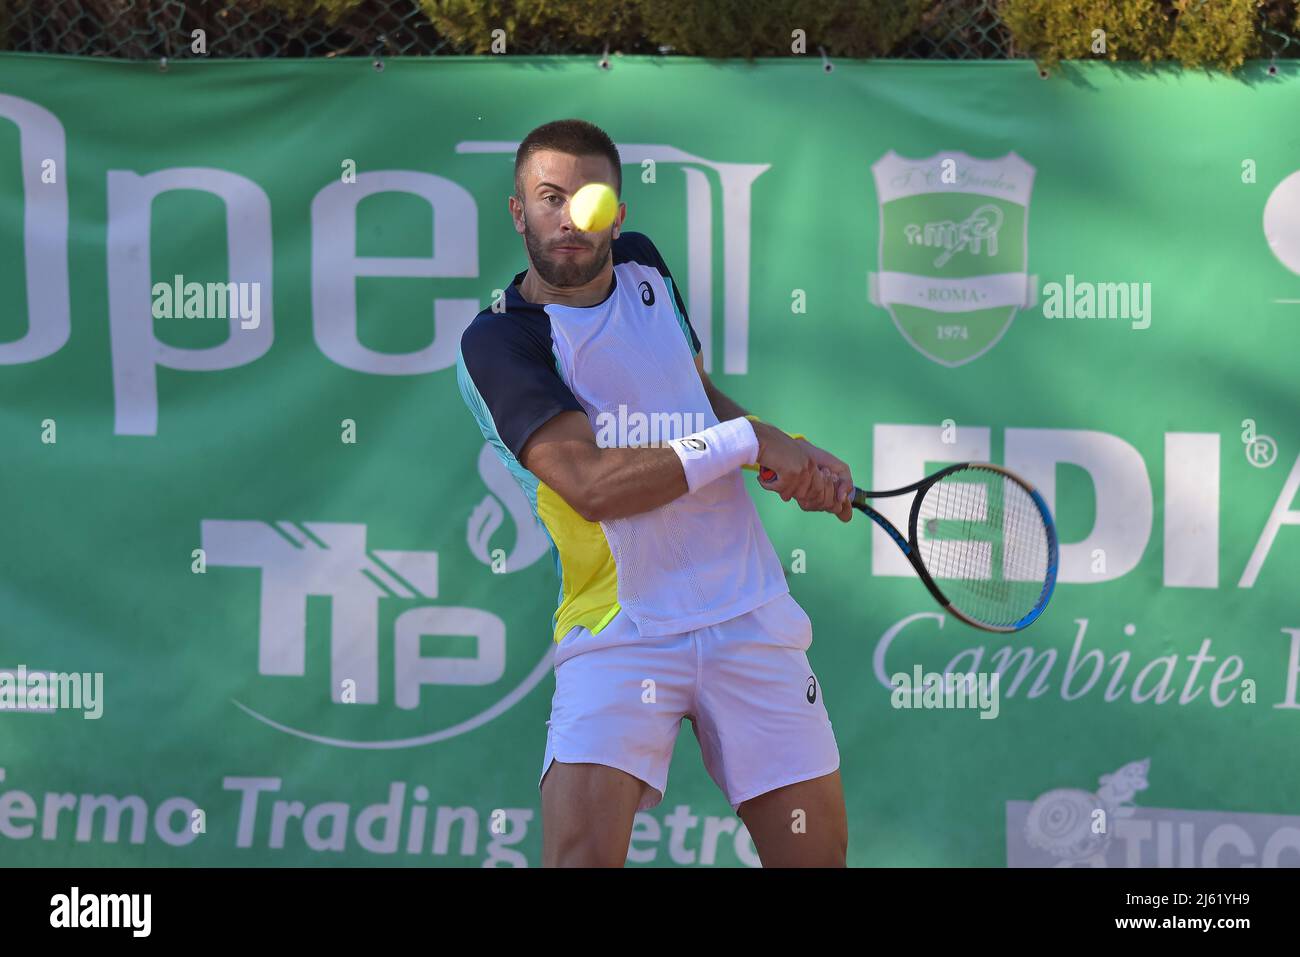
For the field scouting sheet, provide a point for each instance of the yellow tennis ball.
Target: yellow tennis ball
(593, 207)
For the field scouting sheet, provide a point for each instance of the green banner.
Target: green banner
(305, 613)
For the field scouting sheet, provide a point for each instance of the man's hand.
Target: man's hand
(813, 477)
(842, 504)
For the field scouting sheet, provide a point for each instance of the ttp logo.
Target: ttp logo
(331, 560)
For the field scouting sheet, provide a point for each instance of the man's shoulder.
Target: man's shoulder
(635, 247)
(509, 322)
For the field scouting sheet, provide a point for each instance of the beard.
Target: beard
(566, 270)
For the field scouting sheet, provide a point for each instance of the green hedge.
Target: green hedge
(711, 28)
(1219, 34)
(1210, 33)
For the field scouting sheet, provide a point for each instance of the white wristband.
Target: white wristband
(716, 451)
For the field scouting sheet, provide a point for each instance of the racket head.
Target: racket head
(984, 539)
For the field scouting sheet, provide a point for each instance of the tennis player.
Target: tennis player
(672, 601)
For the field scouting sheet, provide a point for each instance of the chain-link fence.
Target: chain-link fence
(154, 29)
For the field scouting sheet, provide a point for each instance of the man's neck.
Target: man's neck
(537, 290)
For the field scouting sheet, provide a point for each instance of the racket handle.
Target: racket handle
(859, 497)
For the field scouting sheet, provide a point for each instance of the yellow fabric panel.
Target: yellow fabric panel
(589, 581)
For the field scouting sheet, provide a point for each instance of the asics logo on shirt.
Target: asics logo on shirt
(696, 561)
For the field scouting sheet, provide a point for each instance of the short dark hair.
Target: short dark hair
(575, 137)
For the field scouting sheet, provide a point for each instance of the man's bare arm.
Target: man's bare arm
(724, 407)
(833, 497)
(607, 483)
(598, 483)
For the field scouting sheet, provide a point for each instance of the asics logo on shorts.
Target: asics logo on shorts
(812, 689)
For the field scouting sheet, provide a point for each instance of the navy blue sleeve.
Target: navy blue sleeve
(508, 378)
(641, 249)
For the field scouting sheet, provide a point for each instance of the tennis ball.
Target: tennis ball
(593, 207)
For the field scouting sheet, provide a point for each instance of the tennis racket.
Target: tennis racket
(982, 540)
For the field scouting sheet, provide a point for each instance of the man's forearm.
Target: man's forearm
(620, 482)
(724, 407)
(628, 481)
(615, 482)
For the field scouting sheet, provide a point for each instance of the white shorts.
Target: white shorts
(745, 684)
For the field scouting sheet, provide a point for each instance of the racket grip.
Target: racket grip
(766, 475)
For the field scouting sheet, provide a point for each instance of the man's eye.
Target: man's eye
(552, 196)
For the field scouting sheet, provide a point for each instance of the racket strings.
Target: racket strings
(983, 535)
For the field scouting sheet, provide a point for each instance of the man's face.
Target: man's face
(562, 254)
